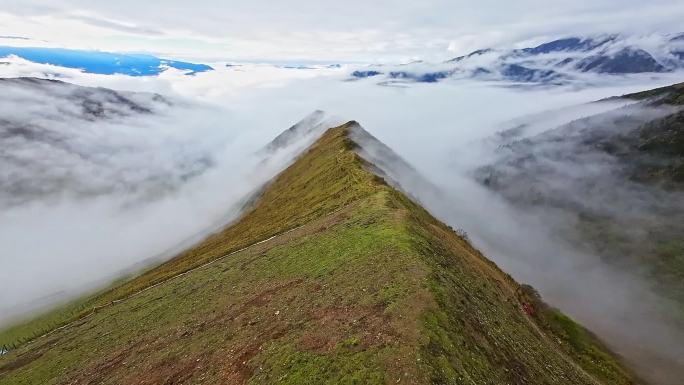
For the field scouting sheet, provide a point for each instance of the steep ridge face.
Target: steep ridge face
(332, 277)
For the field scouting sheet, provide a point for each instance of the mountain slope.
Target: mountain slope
(331, 277)
(618, 179)
(612, 186)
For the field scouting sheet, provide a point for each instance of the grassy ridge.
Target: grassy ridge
(289, 201)
(370, 290)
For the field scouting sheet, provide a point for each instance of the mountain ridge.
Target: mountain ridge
(333, 277)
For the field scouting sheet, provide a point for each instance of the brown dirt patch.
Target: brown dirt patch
(169, 371)
(235, 363)
(329, 326)
(101, 369)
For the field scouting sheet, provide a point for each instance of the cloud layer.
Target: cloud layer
(305, 29)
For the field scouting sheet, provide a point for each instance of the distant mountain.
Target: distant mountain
(555, 62)
(98, 62)
(332, 276)
(569, 44)
(627, 60)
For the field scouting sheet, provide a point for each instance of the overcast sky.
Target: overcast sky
(352, 30)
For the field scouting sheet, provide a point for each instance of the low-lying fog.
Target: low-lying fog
(60, 245)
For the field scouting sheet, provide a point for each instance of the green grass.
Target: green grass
(578, 342)
(371, 290)
(347, 366)
(21, 332)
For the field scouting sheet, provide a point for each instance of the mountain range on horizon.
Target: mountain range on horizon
(562, 61)
(556, 62)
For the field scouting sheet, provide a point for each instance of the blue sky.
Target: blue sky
(353, 30)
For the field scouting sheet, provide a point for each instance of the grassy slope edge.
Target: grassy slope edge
(368, 288)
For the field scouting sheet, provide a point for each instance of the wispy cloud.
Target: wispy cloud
(114, 25)
(355, 30)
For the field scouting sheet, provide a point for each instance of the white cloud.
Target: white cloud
(305, 29)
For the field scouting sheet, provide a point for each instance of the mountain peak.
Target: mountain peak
(311, 126)
(332, 276)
